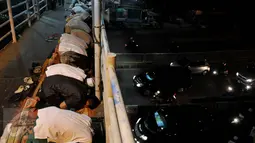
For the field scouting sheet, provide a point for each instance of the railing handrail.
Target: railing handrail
(28, 19)
(14, 6)
(4, 11)
(104, 39)
(115, 96)
(19, 4)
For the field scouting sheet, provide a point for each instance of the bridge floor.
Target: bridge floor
(16, 58)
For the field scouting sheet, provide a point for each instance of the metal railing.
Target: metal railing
(117, 125)
(36, 12)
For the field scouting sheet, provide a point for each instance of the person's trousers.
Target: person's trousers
(52, 4)
(61, 2)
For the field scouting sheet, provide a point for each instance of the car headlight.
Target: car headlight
(236, 120)
(157, 93)
(143, 137)
(249, 80)
(230, 89)
(215, 72)
(248, 87)
(139, 84)
(237, 74)
(134, 77)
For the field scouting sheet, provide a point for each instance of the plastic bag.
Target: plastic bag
(64, 47)
(72, 39)
(77, 24)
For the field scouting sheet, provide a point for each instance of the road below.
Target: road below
(173, 38)
(202, 86)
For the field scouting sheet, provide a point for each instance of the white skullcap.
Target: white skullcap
(90, 82)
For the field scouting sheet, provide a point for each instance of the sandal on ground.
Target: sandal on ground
(28, 80)
(20, 89)
(37, 70)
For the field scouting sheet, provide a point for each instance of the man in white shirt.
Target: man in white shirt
(71, 126)
(51, 125)
(69, 70)
(66, 70)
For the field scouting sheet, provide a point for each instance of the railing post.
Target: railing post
(34, 8)
(124, 125)
(37, 9)
(111, 60)
(9, 5)
(28, 14)
(97, 39)
(46, 3)
(113, 127)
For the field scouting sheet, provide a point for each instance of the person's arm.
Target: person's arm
(71, 102)
(63, 105)
(93, 101)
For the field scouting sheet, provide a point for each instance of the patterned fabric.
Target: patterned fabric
(20, 125)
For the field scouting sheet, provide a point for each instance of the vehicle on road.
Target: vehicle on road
(240, 85)
(162, 84)
(198, 67)
(245, 80)
(222, 69)
(230, 123)
(131, 44)
(149, 127)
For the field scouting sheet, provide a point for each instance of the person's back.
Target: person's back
(70, 90)
(60, 125)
